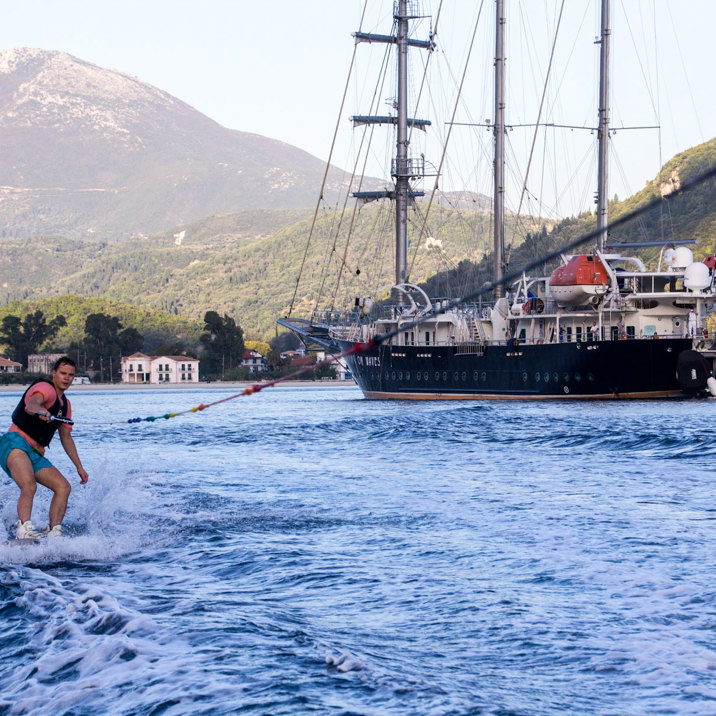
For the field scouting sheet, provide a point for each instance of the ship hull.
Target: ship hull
(593, 370)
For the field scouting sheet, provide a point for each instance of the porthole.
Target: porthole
(546, 377)
(537, 377)
(464, 376)
(425, 375)
(393, 375)
(444, 375)
(590, 377)
(555, 377)
(474, 376)
(419, 375)
(407, 375)
(524, 377)
(455, 376)
(437, 376)
(400, 375)
(566, 377)
(578, 376)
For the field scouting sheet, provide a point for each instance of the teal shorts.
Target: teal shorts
(15, 441)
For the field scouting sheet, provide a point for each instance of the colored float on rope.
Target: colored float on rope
(252, 389)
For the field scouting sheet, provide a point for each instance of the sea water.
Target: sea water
(304, 550)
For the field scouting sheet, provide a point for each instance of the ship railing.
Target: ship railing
(346, 333)
(410, 167)
(610, 335)
(470, 348)
(392, 311)
(339, 319)
(413, 8)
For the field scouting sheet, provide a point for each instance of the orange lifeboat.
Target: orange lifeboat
(583, 279)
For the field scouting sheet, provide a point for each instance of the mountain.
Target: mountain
(90, 152)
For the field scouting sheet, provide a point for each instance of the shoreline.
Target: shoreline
(214, 385)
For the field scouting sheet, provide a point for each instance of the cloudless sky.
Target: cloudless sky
(278, 67)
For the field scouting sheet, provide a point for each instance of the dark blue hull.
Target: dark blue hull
(602, 369)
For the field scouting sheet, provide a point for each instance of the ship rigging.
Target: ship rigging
(600, 326)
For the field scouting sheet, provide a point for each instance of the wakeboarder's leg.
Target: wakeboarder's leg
(52, 478)
(20, 469)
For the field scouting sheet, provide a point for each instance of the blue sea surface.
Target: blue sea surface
(304, 551)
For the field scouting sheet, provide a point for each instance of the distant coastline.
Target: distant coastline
(214, 385)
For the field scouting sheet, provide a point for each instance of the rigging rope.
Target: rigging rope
(367, 130)
(541, 106)
(328, 166)
(447, 139)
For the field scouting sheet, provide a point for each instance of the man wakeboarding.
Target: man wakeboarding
(42, 410)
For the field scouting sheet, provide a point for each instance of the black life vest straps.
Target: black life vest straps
(31, 424)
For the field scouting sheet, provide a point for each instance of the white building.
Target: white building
(42, 362)
(340, 367)
(10, 366)
(254, 361)
(343, 372)
(141, 368)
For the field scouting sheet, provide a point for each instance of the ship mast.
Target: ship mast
(400, 168)
(603, 128)
(499, 162)
(404, 168)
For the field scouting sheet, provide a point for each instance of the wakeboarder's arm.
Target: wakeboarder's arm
(69, 445)
(33, 406)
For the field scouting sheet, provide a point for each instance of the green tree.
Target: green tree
(103, 343)
(285, 341)
(130, 341)
(25, 336)
(325, 371)
(13, 336)
(259, 346)
(223, 343)
(174, 349)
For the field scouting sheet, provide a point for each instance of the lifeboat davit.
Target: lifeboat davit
(582, 280)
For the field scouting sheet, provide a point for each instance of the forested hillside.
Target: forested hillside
(231, 265)
(157, 327)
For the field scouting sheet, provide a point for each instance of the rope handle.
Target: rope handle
(65, 421)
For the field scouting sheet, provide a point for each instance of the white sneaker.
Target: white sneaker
(26, 530)
(56, 531)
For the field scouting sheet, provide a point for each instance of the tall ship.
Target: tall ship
(598, 326)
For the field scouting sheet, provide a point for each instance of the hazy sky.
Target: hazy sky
(278, 67)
